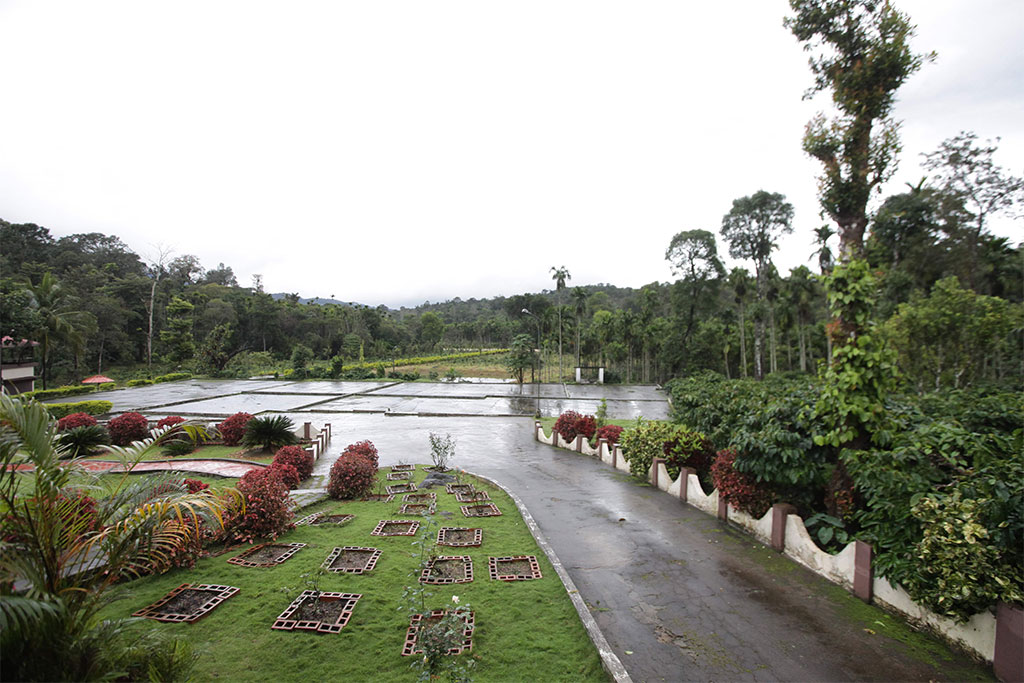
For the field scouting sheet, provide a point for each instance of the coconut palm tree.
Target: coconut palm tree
(62, 552)
(58, 318)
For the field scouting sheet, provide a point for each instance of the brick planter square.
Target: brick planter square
(447, 570)
(472, 496)
(401, 488)
(352, 560)
(380, 497)
(397, 476)
(518, 568)
(460, 537)
(403, 468)
(417, 509)
(318, 518)
(396, 527)
(318, 611)
(425, 497)
(187, 602)
(267, 554)
(419, 621)
(481, 510)
(459, 488)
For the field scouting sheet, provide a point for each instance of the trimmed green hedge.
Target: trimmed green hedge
(59, 410)
(172, 377)
(59, 392)
(138, 382)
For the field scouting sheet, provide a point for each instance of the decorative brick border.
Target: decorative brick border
(379, 530)
(414, 509)
(242, 562)
(419, 497)
(403, 468)
(285, 623)
(478, 537)
(459, 488)
(219, 595)
(472, 496)
(414, 628)
(398, 476)
(315, 519)
(379, 497)
(401, 488)
(310, 519)
(467, 569)
(481, 510)
(495, 570)
(371, 561)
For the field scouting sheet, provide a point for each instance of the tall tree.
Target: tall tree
(862, 55)
(694, 258)
(752, 229)
(739, 280)
(579, 299)
(58, 318)
(966, 170)
(560, 275)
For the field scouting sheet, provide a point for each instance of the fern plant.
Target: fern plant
(269, 433)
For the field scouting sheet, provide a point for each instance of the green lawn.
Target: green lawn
(525, 630)
(212, 451)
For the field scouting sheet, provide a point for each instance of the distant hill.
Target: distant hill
(318, 300)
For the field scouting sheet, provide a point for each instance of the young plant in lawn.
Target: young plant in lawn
(442, 450)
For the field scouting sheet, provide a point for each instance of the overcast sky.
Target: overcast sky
(402, 151)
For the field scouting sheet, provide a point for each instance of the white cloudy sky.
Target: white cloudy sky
(401, 151)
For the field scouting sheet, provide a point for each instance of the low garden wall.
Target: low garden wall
(996, 638)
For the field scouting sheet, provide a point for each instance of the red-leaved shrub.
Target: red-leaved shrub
(289, 475)
(75, 420)
(739, 489)
(365, 449)
(298, 458)
(688, 448)
(570, 423)
(127, 428)
(611, 433)
(352, 476)
(195, 485)
(233, 429)
(170, 421)
(267, 510)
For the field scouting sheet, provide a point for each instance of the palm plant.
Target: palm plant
(269, 433)
(59, 563)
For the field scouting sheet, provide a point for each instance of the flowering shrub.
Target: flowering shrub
(75, 420)
(289, 475)
(352, 476)
(739, 489)
(170, 421)
(565, 425)
(609, 432)
(267, 510)
(365, 449)
(233, 429)
(297, 458)
(127, 428)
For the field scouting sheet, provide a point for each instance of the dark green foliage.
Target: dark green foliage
(59, 410)
(269, 433)
(59, 392)
(82, 441)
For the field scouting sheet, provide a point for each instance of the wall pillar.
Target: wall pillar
(536, 430)
(1008, 660)
(307, 431)
(654, 470)
(601, 445)
(579, 443)
(723, 508)
(863, 574)
(684, 484)
(780, 511)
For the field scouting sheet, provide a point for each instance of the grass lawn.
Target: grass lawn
(525, 630)
(213, 451)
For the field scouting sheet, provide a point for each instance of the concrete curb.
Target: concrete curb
(609, 659)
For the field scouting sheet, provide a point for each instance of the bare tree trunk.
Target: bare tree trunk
(743, 344)
(803, 347)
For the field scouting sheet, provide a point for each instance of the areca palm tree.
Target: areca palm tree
(62, 553)
(58, 319)
(560, 276)
(579, 298)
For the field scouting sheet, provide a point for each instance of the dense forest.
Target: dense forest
(949, 299)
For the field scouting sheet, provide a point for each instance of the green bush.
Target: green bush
(59, 410)
(59, 392)
(642, 443)
(139, 382)
(172, 377)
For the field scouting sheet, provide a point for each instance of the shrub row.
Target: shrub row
(59, 392)
(59, 410)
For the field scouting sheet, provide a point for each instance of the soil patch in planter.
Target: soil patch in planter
(518, 568)
(267, 554)
(481, 510)
(397, 476)
(445, 570)
(187, 602)
(401, 488)
(352, 560)
(318, 611)
(459, 488)
(472, 496)
(460, 537)
(421, 622)
(417, 509)
(403, 468)
(419, 498)
(380, 497)
(396, 527)
(318, 518)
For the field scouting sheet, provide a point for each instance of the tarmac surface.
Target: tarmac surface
(679, 595)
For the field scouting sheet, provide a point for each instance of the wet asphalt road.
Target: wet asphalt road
(679, 595)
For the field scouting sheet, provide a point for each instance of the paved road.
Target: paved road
(679, 595)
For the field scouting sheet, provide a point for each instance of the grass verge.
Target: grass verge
(525, 630)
